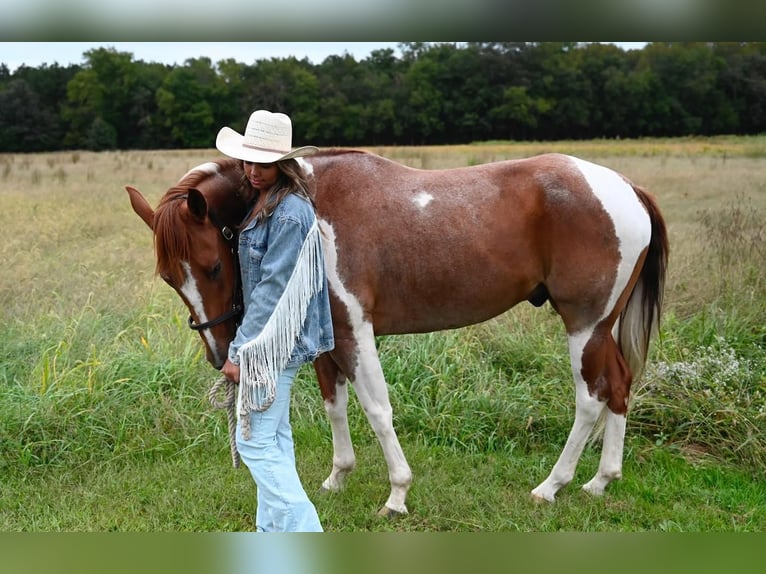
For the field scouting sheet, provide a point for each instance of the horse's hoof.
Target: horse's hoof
(593, 489)
(328, 487)
(539, 499)
(390, 513)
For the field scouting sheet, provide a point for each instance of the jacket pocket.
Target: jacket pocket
(255, 252)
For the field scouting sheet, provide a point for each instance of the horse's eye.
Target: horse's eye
(166, 278)
(215, 271)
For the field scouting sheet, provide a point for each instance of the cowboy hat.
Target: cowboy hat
(268, 138)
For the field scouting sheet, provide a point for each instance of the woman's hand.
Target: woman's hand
(230, 371)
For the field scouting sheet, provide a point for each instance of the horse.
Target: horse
(415, 250)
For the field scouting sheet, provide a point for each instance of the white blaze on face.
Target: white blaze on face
(631, 221)
(192, 294)
(422, 199)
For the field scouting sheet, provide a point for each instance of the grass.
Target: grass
(105, 425)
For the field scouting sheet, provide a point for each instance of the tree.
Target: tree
(687, 97)
(101, 136)
(36, 106)
(423, 111)
(288, 86)
(234, 102)
(434, 93)
(743, 81)
(517, 116)
(604, 69)
(384, 94)
(557, 78)
(107, 87)
(187, 102)
(25, 125)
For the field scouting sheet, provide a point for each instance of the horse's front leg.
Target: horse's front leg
(372, 392)
(334, 388)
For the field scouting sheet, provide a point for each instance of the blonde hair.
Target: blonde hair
(291, 179)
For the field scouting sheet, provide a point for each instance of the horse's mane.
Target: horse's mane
(171, 241)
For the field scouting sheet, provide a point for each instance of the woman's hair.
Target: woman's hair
(291, 179)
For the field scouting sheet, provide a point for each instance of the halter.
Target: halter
(237, 306)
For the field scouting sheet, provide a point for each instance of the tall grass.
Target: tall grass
(706, 388)
(104, 422)
(101, 387)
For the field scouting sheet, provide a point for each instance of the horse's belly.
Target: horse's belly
(446, 310)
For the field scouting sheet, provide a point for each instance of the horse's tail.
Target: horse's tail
(640, 319)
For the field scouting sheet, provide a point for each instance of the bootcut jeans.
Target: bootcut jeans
(283, 505)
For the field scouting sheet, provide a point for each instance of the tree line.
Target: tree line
(432, 93)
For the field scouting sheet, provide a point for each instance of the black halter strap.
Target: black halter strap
(238, 305)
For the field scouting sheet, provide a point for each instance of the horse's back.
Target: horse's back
(433, 249)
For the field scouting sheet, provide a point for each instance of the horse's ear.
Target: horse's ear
(196, 203)
(141, 206)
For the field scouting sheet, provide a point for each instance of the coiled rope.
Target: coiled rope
(229, 403)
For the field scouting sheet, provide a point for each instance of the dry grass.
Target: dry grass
(52, 199)
(67, 233)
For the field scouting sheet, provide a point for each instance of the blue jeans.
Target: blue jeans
(283, 505)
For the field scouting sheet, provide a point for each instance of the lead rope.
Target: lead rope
(229, 404)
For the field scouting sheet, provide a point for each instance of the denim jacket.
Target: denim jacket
(269, 252)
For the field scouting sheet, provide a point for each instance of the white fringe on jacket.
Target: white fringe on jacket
(263, 359)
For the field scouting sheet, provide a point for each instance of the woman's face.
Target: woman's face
(261, 175)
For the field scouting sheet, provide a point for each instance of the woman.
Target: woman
(287, 313)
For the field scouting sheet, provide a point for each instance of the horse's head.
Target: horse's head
(195, 246)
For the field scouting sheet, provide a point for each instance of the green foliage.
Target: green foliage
(101, 136)
(434, 94)
(186, 102)
(25, 125)
(706, 389)
(77, 391)
(704, 395)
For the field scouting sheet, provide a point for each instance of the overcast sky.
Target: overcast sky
(35, 54)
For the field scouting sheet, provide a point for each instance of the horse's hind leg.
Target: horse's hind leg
(334, 387)
(587, 410)
(619, 378)
(602, 380)
(610, 467)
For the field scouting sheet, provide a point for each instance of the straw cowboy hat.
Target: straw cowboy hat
(268, 138)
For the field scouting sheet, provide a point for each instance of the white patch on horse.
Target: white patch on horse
(208, 167)
(422, 199)
(370, 385)
(192, 294)
(306, 165)
(631, 221)
(344, 449)
(353, 306)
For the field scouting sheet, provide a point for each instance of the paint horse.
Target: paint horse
(412, 251)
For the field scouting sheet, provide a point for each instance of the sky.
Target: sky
(35, 54)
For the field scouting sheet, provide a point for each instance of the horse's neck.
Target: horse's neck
(229, 205)
(225, 195)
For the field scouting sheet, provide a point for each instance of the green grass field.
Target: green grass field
(105, 425)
